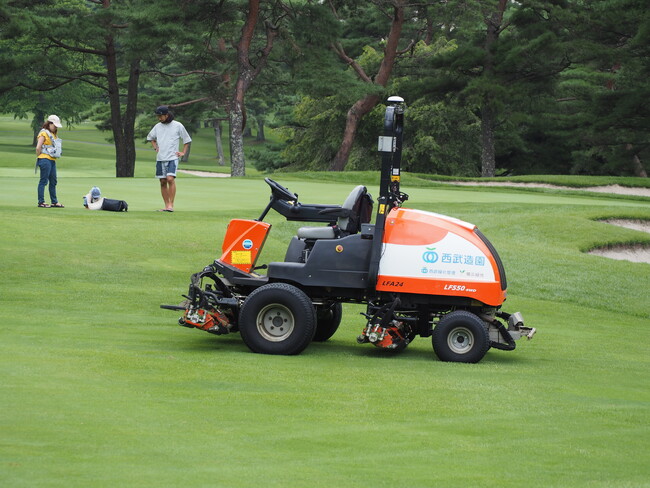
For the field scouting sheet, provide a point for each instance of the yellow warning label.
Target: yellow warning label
(394, 178)
(382, 208)
(240, 257)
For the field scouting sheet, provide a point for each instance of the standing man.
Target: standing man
(165, 137)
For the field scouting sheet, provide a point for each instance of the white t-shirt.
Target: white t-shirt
(168, 137)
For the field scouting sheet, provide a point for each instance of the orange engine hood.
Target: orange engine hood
(431, 254)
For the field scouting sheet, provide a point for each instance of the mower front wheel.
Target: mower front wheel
(460, 337)
(277, 318)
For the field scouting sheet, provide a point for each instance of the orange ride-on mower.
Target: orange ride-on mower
(418, 273)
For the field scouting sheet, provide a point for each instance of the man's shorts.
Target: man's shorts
(166, 168)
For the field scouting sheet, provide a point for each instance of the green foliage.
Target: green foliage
(441, 138)
(314, 133)
(268, 158)
(370, 59)
(566, 80)
(313, 27)
(28, 66)
(314, 68)
(606, 114)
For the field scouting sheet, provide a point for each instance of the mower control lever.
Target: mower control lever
(336, 212)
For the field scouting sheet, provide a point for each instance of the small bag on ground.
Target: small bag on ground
(115, 205)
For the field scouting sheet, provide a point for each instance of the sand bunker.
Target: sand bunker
(636, 254)
(642, 225)
(616, 189)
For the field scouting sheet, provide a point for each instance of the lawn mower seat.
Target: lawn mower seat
(356, 210)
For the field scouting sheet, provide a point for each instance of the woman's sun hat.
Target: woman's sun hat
(55, 120)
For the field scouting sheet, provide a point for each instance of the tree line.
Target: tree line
(492, 86)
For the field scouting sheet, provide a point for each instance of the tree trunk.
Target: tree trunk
(37, 123)
(260, 129)
(639, 170)
(246, 74)
(494, 22)
(128, 127)
(237, 162)
(358, 110)
(363, 106)
(121, 156)
(488, 161)
(637, 166)
(216, 123)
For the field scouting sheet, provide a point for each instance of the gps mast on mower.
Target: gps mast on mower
(418, 273)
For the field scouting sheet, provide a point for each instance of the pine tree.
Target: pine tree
(109, 42)
(606, 93)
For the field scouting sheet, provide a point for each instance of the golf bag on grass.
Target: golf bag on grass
(115, 205)
(94, 201)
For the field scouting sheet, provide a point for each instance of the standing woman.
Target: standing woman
(48, 149)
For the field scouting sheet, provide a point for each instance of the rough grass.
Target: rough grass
(101, 388)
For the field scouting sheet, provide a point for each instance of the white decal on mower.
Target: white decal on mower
(453, 258)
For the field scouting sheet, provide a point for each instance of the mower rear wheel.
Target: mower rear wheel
(328, 320)
(460, 337)
(277, 318)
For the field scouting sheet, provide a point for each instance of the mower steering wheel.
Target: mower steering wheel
(280, 192)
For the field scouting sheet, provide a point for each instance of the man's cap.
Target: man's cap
(95, 193)
(55, 120)
(162, 110)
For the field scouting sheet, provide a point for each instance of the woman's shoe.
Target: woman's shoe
(57, 205)
(44, 205)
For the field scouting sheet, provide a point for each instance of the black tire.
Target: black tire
(277, 319)
(460, 337)
(328, 320)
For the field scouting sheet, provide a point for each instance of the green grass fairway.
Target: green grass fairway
(101, 388)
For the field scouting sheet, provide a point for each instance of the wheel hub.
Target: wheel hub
(275, 322)
(460, 340)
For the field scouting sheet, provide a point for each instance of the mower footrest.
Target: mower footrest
(529, 332)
